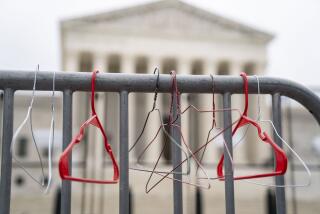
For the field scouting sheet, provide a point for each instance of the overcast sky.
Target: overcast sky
(29, 32)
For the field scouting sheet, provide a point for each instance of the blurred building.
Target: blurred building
(171, 35)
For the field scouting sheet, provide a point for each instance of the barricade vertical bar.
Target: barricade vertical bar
(176, 160)
(229, 183)
(67, 135)
(1, 124)
(6, 162)
(124, 157)
(276, 116)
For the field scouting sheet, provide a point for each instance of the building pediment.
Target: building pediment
(166, 18)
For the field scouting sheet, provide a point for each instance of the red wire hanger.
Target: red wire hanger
(93, 120)
(280, 156)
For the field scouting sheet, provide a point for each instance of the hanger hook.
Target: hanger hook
(213, 103)
(34, 84)
(93, 87)
(53, 90)
(174, 86)
(259, 104)
(213, 86)
(174, 89)
(245, 91)
(156, 70)
(51, 136)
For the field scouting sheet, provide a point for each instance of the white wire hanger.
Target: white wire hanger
(27, 118)
(51, 134)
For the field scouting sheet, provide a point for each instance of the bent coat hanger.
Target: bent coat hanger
(164, 176)
(213, 124)
(280, 156)
(93, 120)
(260, 120)
(214, 127)
(161, 128)
(174, 90)
(17, 132)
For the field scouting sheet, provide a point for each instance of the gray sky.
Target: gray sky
(29, 32)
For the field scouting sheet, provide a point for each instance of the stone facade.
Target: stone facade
(171, 35)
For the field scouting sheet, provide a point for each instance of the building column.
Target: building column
(210, 67)
(72, 62)
(236, 67)
(128, 64)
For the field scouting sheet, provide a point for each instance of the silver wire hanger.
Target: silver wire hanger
(259, 120)
(17, 132)
(51, 134)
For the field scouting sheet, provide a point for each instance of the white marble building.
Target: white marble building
(171, 35)
(167, 34)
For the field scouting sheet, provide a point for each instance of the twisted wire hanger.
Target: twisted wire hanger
(161, 128)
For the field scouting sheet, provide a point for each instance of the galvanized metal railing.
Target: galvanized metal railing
(69, 82)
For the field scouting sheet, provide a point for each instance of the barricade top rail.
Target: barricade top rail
(125, 83)
(117, 82)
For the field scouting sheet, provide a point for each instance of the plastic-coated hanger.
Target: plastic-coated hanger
(27, 118)
(93, 120)
(280, 156)
(161, 128)
(259, 120)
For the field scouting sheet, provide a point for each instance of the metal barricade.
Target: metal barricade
(69, 82)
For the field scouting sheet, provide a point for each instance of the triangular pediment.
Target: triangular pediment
(168, 17)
